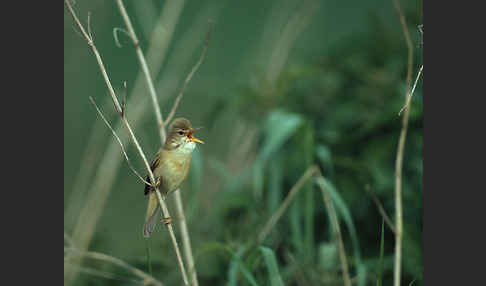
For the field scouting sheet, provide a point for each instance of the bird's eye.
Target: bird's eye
(180, 133)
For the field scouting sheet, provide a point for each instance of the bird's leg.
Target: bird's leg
(157, 182)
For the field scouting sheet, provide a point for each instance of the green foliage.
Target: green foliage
(272, 266)
(337, 110)
(341, 113)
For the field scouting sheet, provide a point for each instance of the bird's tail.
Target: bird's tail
(153, 214)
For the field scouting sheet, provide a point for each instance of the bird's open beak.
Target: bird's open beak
(194, 139)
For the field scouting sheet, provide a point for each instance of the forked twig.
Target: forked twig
(177, 196)
(143, 63)
(119, 141)
(132, 136)
(105, 173)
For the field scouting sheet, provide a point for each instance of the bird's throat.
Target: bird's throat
(186, 148)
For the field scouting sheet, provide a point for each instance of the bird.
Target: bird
(170, 167)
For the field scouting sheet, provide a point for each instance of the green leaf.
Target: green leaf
(236, 262)
(324, 155)
(328, 256)
(272, 266)
(280, 125)
(343, 209)
(236, 265)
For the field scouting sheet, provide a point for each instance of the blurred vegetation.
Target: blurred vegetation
(334, 103)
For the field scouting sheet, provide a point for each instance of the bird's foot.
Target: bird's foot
(166, 220)
(157, 182)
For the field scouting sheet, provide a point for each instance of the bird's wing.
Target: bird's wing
(155, 164)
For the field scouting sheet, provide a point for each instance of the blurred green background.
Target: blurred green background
(284, 85)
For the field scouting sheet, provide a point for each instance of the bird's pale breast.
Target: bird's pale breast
(174, 169)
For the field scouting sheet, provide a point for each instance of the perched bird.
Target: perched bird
(170, 167)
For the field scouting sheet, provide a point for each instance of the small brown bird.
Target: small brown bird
(170, 167)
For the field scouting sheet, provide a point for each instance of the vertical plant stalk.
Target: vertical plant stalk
(109, 164)
(134, 140)
(186, 242)
(146, 72)
(399, 158)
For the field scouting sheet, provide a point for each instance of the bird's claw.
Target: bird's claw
(166, 220)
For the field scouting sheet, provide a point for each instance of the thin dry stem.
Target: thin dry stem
(115, 35)
(189, 76)
(143, 63)
(381, 210)
(108, 166)
(147, 279)
(399, 158)
(132, 136)
(165, 212)
(179, 207)
(119, 141)
(293, 191)
(186, 241)
(337, 231)
(410, 94)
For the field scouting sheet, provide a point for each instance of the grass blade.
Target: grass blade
(280, 126)
(236, 263)
(380, 261)
(343, 209)
(235, 266)
(272, 266)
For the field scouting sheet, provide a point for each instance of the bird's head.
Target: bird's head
(181, 136)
